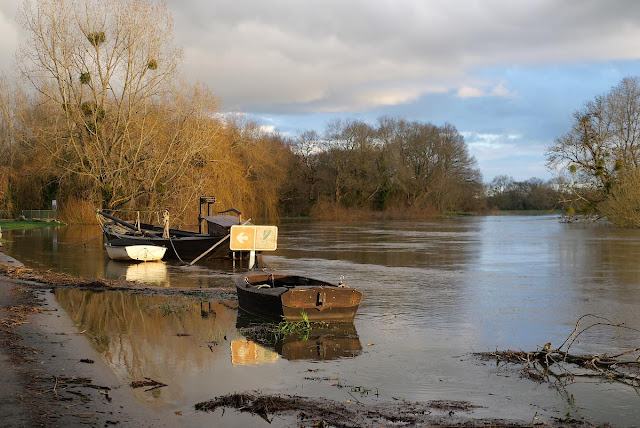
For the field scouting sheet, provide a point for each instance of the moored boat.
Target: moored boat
(182, 245)
(283, 296)
(124, 250)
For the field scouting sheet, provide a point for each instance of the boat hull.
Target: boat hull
(139, 253)
(288, 297)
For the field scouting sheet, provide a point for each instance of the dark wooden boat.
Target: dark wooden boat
(183, 245)
(281, 296)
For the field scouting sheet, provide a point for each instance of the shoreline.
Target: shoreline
(53, 376)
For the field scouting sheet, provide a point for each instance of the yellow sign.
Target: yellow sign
(249, 238)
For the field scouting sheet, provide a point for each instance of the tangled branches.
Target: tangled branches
(560, 364)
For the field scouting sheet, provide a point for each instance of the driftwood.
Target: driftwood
(147, 382)
(559, 363)
(323, 412)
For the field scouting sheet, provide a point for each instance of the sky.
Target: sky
(508, 74)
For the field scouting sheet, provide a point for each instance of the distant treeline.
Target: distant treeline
(403, 167)
(505, 194)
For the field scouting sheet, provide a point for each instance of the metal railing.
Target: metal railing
(39, 214)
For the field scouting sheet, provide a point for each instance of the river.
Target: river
(434, 293)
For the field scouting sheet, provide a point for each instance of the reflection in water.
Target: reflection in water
(152, 272)
(164, 338)
(323, 342)
(247, 352)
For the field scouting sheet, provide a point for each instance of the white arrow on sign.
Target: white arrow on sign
(242, 238)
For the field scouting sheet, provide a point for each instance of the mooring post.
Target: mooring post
(200, 216)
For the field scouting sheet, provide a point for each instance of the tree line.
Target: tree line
(99, 116)
(396, 165)
(506, 194)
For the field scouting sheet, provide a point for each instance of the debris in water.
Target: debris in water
(147, 382)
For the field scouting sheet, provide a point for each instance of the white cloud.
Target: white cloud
(268, 129)
(500, 90)
(8, 32)
(480, 90)
(470, 92)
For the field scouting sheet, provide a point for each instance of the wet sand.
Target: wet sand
(45, 381)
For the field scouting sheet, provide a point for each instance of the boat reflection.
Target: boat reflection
(322, 342)
(152, 272)
(246, 352)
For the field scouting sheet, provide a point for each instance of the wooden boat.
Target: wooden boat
(180, 244)
(122, 249)
(282, 296)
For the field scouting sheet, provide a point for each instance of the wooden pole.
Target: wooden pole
(207, 252)
(214, 246)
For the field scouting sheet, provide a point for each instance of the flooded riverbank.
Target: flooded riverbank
(435, 292)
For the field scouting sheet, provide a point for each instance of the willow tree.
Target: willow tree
(105, 69)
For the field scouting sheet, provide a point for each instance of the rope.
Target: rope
(100, 221)
(167, 235)
(174, 250)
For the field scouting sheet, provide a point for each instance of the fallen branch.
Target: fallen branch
(545, 362)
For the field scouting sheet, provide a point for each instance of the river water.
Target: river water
(434, 293)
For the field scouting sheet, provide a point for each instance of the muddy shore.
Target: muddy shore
(53, 376)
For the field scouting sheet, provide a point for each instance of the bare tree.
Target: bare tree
(603, 145)
(101, 67)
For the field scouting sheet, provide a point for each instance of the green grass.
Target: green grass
(12, 224)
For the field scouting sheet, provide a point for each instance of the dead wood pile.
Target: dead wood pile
(547, 363)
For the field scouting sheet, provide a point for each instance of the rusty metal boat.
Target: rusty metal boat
(281, 296)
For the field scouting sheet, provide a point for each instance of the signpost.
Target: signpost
(253, 238)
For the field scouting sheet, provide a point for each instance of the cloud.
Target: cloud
(267, 129)
(511, 154)
(288, 56)
(500, 90)
(335, 56)
(469, 92)
(8, 31)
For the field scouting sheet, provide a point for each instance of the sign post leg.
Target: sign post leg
(252, 259)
